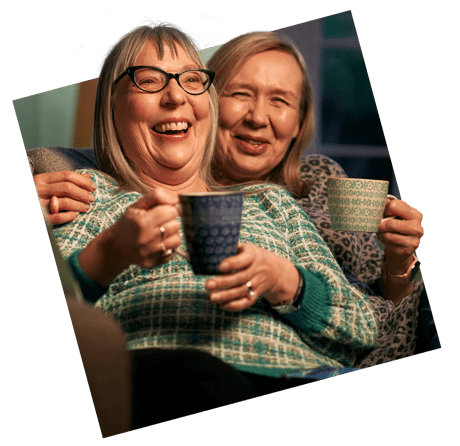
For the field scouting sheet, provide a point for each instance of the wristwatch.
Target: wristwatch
(405, 278)
(290, 306)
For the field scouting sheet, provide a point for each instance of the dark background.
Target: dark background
(348, 127)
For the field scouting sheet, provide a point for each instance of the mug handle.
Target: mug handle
(391, 197)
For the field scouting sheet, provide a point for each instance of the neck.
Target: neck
(232, 180)
(193, 184)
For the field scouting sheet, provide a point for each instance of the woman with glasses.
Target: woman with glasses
(282, 304)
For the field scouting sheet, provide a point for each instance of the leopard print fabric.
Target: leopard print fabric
(360, 256)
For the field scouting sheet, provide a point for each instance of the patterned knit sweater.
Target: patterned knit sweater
(168, 306)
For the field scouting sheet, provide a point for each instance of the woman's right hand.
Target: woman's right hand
(65, 194)
(251, 273)
(136, 238)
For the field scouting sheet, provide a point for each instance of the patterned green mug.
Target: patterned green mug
(356, 204)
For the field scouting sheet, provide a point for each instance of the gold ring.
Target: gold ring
(162, 232)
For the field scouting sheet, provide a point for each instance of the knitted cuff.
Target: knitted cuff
(91, 291)
(315, 308)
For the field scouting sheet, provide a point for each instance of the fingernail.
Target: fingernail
(91, 198)
(210, 284)
(88, 207)
(93, 185)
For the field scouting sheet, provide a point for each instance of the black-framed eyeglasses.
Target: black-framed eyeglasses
(153, 80)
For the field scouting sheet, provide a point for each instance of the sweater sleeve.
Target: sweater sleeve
(74, 236)
(334, 317)
(91, 291)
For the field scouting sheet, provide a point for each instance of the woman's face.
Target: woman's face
(259, 116)
(141, 120)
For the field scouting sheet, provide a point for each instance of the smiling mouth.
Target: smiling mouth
(252, 142)
(172, 128)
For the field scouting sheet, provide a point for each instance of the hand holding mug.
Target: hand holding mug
(252, 273)
(148, 232)
(136, 238)
(400, 233)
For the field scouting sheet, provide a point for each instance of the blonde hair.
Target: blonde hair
(109, 154)
(229, 59)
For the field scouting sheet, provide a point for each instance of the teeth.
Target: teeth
(254, 142)
(174, 126)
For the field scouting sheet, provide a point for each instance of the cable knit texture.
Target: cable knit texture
(168, 306)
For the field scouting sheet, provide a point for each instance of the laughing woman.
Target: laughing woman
(266, 125)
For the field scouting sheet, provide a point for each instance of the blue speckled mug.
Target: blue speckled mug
(211, 222)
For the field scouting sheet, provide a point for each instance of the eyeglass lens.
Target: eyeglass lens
(152, 80)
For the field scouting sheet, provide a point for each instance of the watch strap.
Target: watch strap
(290, 306)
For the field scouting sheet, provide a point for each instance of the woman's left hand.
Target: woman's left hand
(251, 273)
(401, 236)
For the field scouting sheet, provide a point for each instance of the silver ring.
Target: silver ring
(162, 232)
(166, 252)
(251, 292)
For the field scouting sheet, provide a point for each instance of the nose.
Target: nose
(258, 115)
(173, 94)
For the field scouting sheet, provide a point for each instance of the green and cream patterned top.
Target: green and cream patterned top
(168, 306)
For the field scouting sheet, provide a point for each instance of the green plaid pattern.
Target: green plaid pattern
(168, 306)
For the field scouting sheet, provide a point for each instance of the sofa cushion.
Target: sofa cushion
(55, 159)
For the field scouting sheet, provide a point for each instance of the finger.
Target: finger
(68, 204)
(153, 251)
(62, 217)
(153, 219)
(168, 228)
(54, 205)
(403, 227)
(156, 197)
(148, 222)
(243, 259)
(78, 179)
(231, 280)
(399, 248)
(65, 189)
(48, 180)
(402, 209)
(228, 295)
